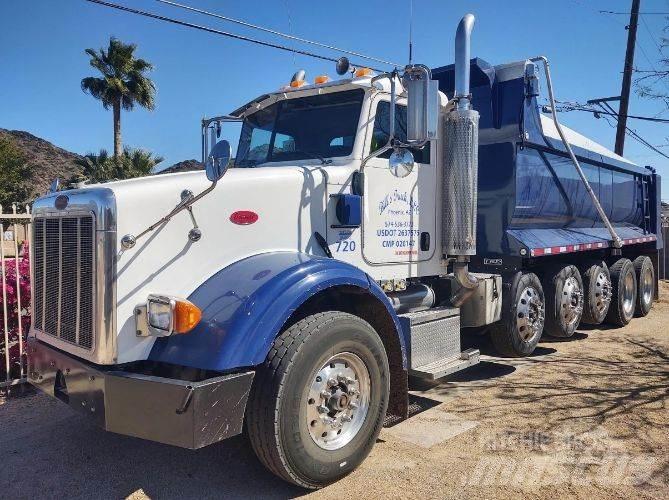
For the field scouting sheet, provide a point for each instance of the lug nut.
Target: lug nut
(345, 418)
(353, 405)
(325, 394)
(332, 382)
(322, 409)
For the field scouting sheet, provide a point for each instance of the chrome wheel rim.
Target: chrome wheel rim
(571, 302)
(628, 294)
(602, 292)
(338, 401)
(647, 285)
(530, 314)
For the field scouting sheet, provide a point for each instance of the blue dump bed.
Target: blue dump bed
(531, 201)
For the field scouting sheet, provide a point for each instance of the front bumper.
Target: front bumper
(177, 412)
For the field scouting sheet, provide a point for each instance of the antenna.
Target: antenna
(410, 32)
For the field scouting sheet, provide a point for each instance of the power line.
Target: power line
(571, 107)
(212, 30)
(274, 32)
(640, 13)
(611, 113)
(635, 135)
(652, 37)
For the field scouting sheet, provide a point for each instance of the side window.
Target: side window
(382, 131)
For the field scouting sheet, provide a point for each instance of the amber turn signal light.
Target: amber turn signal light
(186, 316)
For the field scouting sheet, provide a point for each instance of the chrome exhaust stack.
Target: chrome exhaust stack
(462, 56)
(460, 177)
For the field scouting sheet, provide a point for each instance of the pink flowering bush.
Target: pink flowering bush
(14, 314)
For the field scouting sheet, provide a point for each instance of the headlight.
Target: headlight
(164, 315)
(160, 313)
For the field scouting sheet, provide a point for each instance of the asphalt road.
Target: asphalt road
(586, 418)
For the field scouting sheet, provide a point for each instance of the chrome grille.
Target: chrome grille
(63, 271)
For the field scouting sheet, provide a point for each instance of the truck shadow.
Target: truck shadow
(68, 457)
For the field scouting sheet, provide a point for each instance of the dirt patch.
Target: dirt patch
(586, 418)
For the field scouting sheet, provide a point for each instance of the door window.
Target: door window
(382, 132)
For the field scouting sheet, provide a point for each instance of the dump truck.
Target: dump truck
(368, 223)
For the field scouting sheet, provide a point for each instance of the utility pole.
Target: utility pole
(627, 78)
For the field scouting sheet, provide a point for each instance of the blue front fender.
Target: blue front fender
(245, 305)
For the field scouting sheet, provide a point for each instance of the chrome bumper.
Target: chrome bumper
(177, 412)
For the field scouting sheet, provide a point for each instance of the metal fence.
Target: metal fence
(15, 293)
(663, 271)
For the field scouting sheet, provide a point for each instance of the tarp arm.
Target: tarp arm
(617, 242)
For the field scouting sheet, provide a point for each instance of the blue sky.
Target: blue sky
(197, 74)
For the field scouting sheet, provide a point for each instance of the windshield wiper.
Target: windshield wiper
(312, 153)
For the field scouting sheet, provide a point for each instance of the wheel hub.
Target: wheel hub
(602, 292)
(531, 314)
(647, 285)
(338, 401)
(628, 292)
(571, 302)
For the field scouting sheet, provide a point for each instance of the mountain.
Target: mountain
(47, 161)
(182, 166)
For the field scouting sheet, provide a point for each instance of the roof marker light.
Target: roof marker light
(321, 79)
(297, 83)
(360, 72)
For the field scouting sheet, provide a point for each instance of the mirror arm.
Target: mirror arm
(129, 240)
(205, 125)
(391, 138)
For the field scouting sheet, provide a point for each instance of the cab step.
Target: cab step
(433, 341)
(442, 367)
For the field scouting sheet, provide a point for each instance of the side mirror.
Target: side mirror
(401, 162)
(218, 160)
(422, 104)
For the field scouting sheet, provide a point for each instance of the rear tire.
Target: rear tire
(645, 278)
(564, 300)
(596, 292)
(624, 292)
(523, 310)
(319, 400)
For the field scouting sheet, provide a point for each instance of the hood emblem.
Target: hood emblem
(62, 201)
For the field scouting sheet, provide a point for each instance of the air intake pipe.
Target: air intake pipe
(460, 178)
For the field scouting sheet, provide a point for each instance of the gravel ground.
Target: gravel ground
(585, 418)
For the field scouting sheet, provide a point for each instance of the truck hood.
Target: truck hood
(166, 261)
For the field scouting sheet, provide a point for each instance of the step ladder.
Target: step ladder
(434, 343)
(645, 206)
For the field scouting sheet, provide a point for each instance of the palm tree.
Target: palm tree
(139, 162)
(123, 84)
(102, 168)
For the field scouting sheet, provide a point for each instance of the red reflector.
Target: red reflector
(244, 217)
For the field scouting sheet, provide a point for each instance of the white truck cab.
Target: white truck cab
(294, 292)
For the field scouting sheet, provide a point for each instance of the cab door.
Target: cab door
(399, 224)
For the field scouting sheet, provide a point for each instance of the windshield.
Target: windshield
(319, 126)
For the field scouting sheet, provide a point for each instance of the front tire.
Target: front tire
(645, 277)
(623, 299)
(319, 400)
(522, 323)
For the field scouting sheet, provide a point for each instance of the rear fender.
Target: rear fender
(245, 306)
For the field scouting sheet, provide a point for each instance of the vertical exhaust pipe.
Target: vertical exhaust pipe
(460, 179)
(462, 56)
